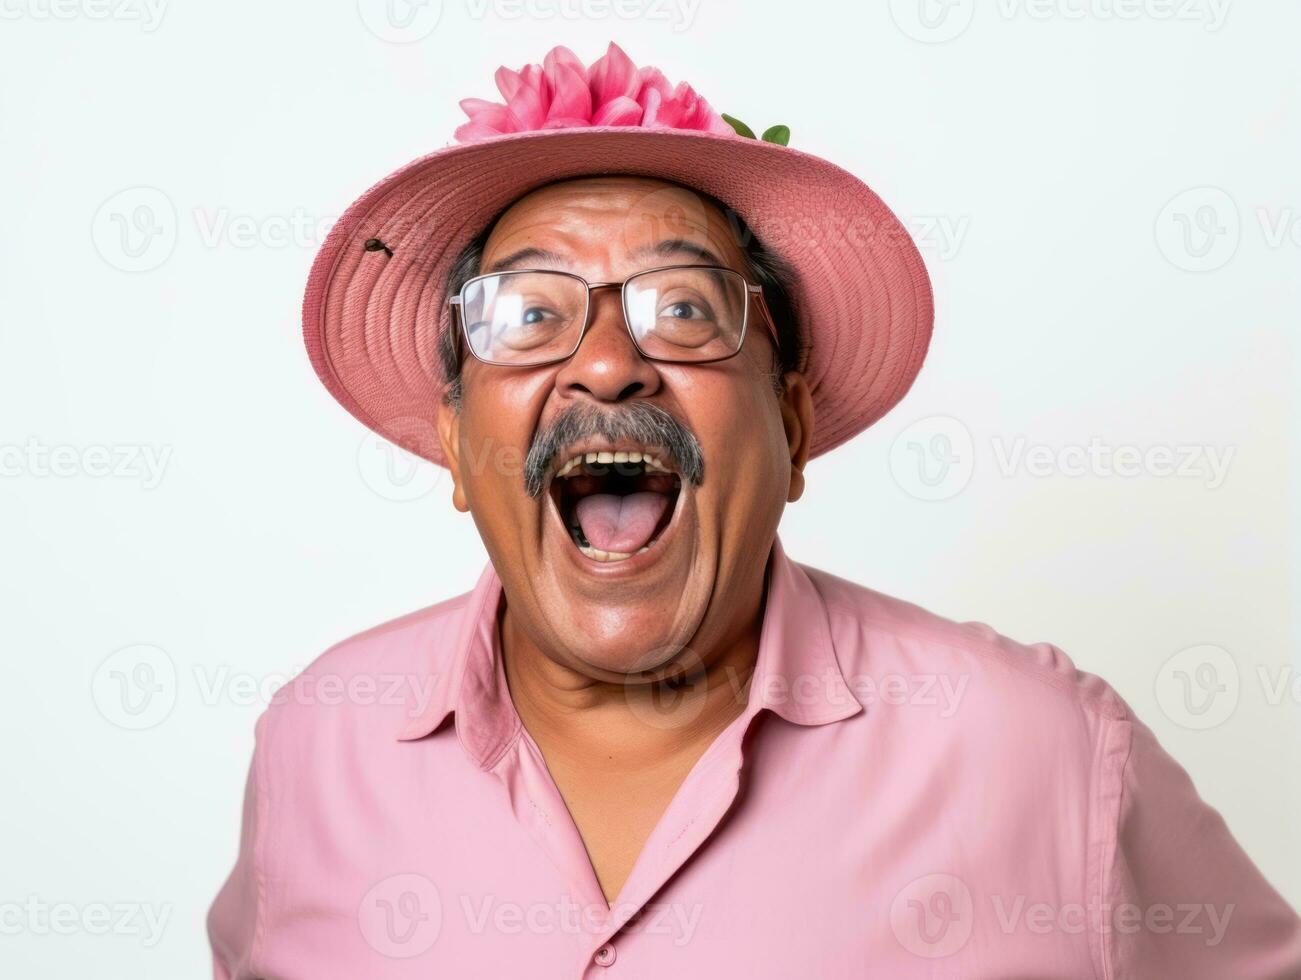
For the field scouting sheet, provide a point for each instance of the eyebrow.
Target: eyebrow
(678, 246)
(669, 246)
(532, 255)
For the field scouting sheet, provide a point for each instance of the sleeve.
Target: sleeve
(1183, 898)
(235, 916)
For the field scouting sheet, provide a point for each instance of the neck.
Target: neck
(638, 724)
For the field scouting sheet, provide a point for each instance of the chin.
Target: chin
(652, 639)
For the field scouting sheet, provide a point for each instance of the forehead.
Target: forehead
(611, 227)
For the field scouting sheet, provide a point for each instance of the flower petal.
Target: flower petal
(508, 82)
(562, 93)
(472, 131)
(560, 56)
(622, 111)
(612, 77)
(570, 98)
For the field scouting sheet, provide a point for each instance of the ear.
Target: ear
(797, 420)
(449, 437)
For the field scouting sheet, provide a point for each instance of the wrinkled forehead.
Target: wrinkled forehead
(607, 228)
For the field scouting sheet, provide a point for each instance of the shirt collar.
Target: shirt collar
(797, 675)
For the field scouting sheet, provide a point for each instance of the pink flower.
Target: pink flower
(561, 93)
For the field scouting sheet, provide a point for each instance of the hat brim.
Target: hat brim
(371, 320)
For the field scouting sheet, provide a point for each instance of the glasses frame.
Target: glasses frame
(457, 304)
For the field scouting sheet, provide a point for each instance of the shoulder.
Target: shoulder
(373, 682)
(414, 641)
(1018, 688)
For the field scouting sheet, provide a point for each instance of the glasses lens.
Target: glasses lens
(686, 314)
(523, 317)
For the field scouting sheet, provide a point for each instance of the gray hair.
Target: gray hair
(638, 421)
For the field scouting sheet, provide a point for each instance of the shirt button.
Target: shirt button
(604, 956)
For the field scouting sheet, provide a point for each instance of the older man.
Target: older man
(648, 743)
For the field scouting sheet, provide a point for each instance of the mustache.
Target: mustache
(647, 425)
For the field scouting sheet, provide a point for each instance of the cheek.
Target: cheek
(498, 418)
(740, 428)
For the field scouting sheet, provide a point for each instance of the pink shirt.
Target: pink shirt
(903, 796)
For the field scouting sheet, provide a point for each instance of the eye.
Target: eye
(535, 314)
(683, 310)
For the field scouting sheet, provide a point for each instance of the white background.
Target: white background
(1107, 195)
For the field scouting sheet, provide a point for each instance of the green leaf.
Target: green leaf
(781, 135)
(741, 128)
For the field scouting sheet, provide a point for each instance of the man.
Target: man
(648, 743)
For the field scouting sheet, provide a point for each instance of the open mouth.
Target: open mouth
(615, 503)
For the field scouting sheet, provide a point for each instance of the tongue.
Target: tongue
(623, 524)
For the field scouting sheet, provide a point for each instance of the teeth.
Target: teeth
(650, 463)
(600, 555)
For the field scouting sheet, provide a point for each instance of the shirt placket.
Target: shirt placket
(701, 803)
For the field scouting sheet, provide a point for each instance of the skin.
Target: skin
(623, 673)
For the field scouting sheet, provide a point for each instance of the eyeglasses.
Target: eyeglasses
(683, 314)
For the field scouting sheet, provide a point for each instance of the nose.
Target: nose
(607, 367)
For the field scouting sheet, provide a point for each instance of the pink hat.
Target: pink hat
(376, 299)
